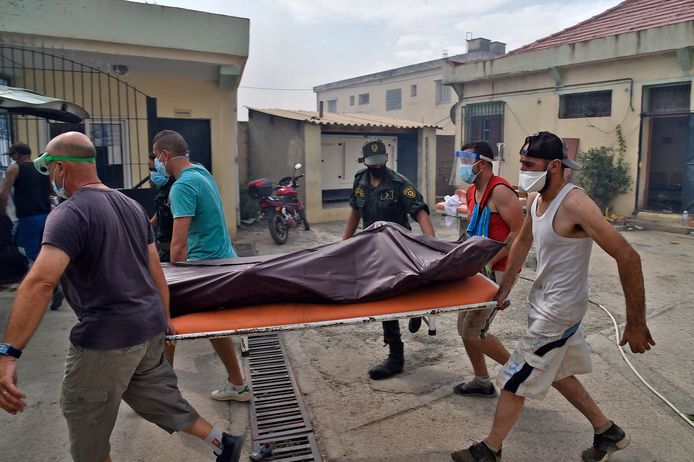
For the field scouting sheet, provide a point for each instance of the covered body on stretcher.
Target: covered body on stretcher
(475, 292)
(385, 272)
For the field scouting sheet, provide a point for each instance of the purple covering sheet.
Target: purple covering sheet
(382, 261)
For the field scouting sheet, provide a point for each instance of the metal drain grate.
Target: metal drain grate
(278, 414)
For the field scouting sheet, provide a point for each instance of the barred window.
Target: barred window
(393, 99)
(591, 104)
(443, 92)
(363, 99)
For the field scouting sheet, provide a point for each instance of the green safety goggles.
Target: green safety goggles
(41, 162)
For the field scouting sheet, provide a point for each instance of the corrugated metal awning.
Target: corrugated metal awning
(345, 120)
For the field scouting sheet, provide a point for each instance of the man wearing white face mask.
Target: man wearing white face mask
(563, 221)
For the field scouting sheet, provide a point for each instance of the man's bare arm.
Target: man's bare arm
(10, 177)
(179, 239)
(34, 294)
(352, 223)
(27, 311)
(159, 279)
(508, 207)
(517, 255)
(589, 218)
(425, 223)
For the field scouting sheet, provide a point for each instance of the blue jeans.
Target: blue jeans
(28, 235)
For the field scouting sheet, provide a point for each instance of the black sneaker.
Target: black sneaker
(414, 324)
(611, 440)
(231, 448)
(478, 452)
(475, 389)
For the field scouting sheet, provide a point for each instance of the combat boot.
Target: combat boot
(392, 365)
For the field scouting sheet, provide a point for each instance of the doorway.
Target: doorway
(196, 132)
(670, 170)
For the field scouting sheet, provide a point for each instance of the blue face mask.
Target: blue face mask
(158, 179)
(60, 192)
(161, 169)
(466, 173)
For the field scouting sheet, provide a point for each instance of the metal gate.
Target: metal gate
(119, 112)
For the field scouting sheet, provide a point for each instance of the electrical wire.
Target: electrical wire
(626, 360)
(631, 366)
(275, 89)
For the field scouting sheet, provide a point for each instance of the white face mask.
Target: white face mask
(532, 181)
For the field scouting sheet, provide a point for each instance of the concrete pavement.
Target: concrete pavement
(413, 417)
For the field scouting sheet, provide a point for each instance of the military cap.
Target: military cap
(374, 152)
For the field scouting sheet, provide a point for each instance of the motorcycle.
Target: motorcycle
(280, 205)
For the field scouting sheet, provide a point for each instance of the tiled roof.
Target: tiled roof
(346, 120)
(628, 16)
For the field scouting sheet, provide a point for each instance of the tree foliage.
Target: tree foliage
(605, 173)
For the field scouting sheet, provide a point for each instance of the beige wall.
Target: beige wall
(532, 104)
(422, 108)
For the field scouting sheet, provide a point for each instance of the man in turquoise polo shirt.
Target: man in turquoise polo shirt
(199, 233)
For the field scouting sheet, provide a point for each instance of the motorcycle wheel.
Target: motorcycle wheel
(302, 215)
(278, 229)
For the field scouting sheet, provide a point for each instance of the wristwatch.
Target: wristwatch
(7, 350)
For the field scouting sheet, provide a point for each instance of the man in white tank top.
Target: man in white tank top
(564, 222)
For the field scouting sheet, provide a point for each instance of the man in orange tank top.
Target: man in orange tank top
(494, 212)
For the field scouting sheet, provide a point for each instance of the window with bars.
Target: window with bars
(485, 122)
(669, 98)
(332, 105)
(363, 99)
(443, 92)
(590, 104)
(351, 100)
(393, 99)
(108, 134)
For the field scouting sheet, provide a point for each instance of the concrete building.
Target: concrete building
(328, 148)
(415, 92)
(137, 69)
(630, 66)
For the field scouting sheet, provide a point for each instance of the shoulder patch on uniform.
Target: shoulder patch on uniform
(359, 192)
(409, 192)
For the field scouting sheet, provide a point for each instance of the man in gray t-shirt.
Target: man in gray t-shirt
(102, 245)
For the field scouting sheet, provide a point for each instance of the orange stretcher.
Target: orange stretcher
(473, 293)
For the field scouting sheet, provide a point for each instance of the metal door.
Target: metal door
(196, 132)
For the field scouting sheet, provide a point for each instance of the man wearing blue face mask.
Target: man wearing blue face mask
(199, 233)
(564, 222)
(162, 220)
(494, 212)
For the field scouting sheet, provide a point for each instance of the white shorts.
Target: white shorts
(540, 360)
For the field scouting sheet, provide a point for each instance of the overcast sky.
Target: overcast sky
(298, 44)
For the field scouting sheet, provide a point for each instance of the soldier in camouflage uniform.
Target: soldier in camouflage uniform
(382, 194)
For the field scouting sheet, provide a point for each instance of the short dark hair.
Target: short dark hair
(480, 147)
(20, 149)
(172, 141)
